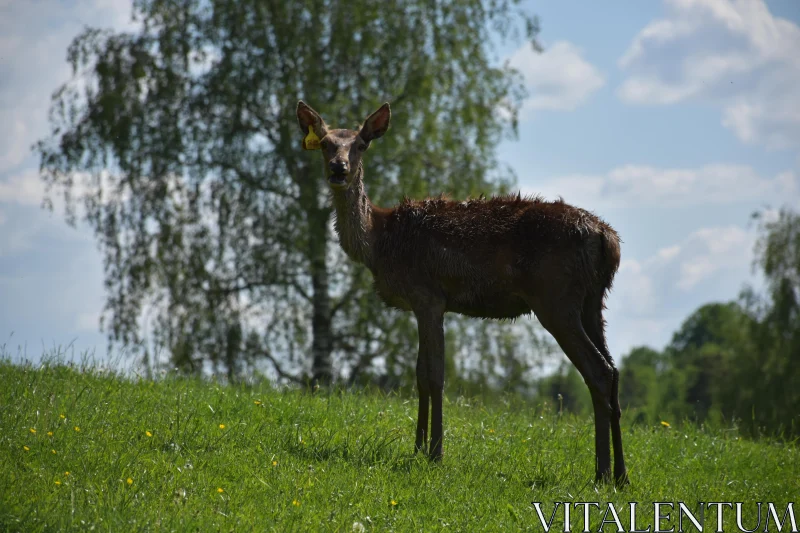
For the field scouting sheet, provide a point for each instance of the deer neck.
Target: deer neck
(354, 219)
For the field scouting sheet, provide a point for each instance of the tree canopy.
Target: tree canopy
(179, 145)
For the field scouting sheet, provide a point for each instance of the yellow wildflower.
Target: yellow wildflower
(49, 433)
(77, 428)
(222, 426)
(148, 433)
(53, 452)
(665, 424)
(129, 481)
(26, 448)
(220, 490)
(491, 431)
(32, 430)
(393, 503)
(257, 402)
(274, 463)
(66, 473)
(58, 482)
(296, 503)
(62, 416)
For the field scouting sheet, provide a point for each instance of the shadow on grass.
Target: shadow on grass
(541, 480)
(324, 445)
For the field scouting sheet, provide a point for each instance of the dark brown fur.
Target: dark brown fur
(490, 258)
(481, 253)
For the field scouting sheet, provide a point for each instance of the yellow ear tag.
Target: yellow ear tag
(311, 142)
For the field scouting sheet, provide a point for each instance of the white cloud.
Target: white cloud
(25, 188)
(733, 54)
(557, 79)
(646, 186)
(638, 332)
(669, 252)
(706, 252)
(88, 321)
(652, 296)
(33, 52)
(28, 189)
(43, 258)
(636, 289)
(15, 148)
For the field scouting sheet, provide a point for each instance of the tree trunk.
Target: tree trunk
(321, 299)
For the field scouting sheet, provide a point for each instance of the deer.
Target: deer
(497, 258)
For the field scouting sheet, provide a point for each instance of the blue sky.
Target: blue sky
(673, 120)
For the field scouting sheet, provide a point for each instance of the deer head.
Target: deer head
(341, 149)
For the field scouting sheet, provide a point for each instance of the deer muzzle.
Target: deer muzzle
(338, 172)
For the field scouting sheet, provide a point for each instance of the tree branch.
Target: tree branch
(300, 290)
(346, 297)
(241, 288)
(363, 362)
(254, 182)
(280, 371)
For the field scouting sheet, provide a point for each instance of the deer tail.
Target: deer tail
(610, 256)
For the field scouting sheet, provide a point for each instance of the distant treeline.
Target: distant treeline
(735, 363)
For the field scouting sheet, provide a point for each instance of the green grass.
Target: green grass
(184, 454)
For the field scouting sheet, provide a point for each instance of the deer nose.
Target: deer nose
(339, 166)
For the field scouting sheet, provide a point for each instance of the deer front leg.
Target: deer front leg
(430, 322)
(421, 442)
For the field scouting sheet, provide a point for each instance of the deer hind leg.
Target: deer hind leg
(564, 323)
(594, 325)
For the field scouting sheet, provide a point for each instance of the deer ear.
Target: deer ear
(376, 124)
(312, 126)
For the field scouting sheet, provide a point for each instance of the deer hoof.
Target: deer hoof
(622, 479)
(603, 477)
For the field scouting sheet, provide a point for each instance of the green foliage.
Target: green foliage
(699, 360)
(566, 391)
(180, 142)
(183, 454)
(638, 385)
(768, 368)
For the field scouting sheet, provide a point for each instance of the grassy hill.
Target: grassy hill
(91, 450)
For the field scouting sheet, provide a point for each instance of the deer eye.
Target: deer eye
(362, 146)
